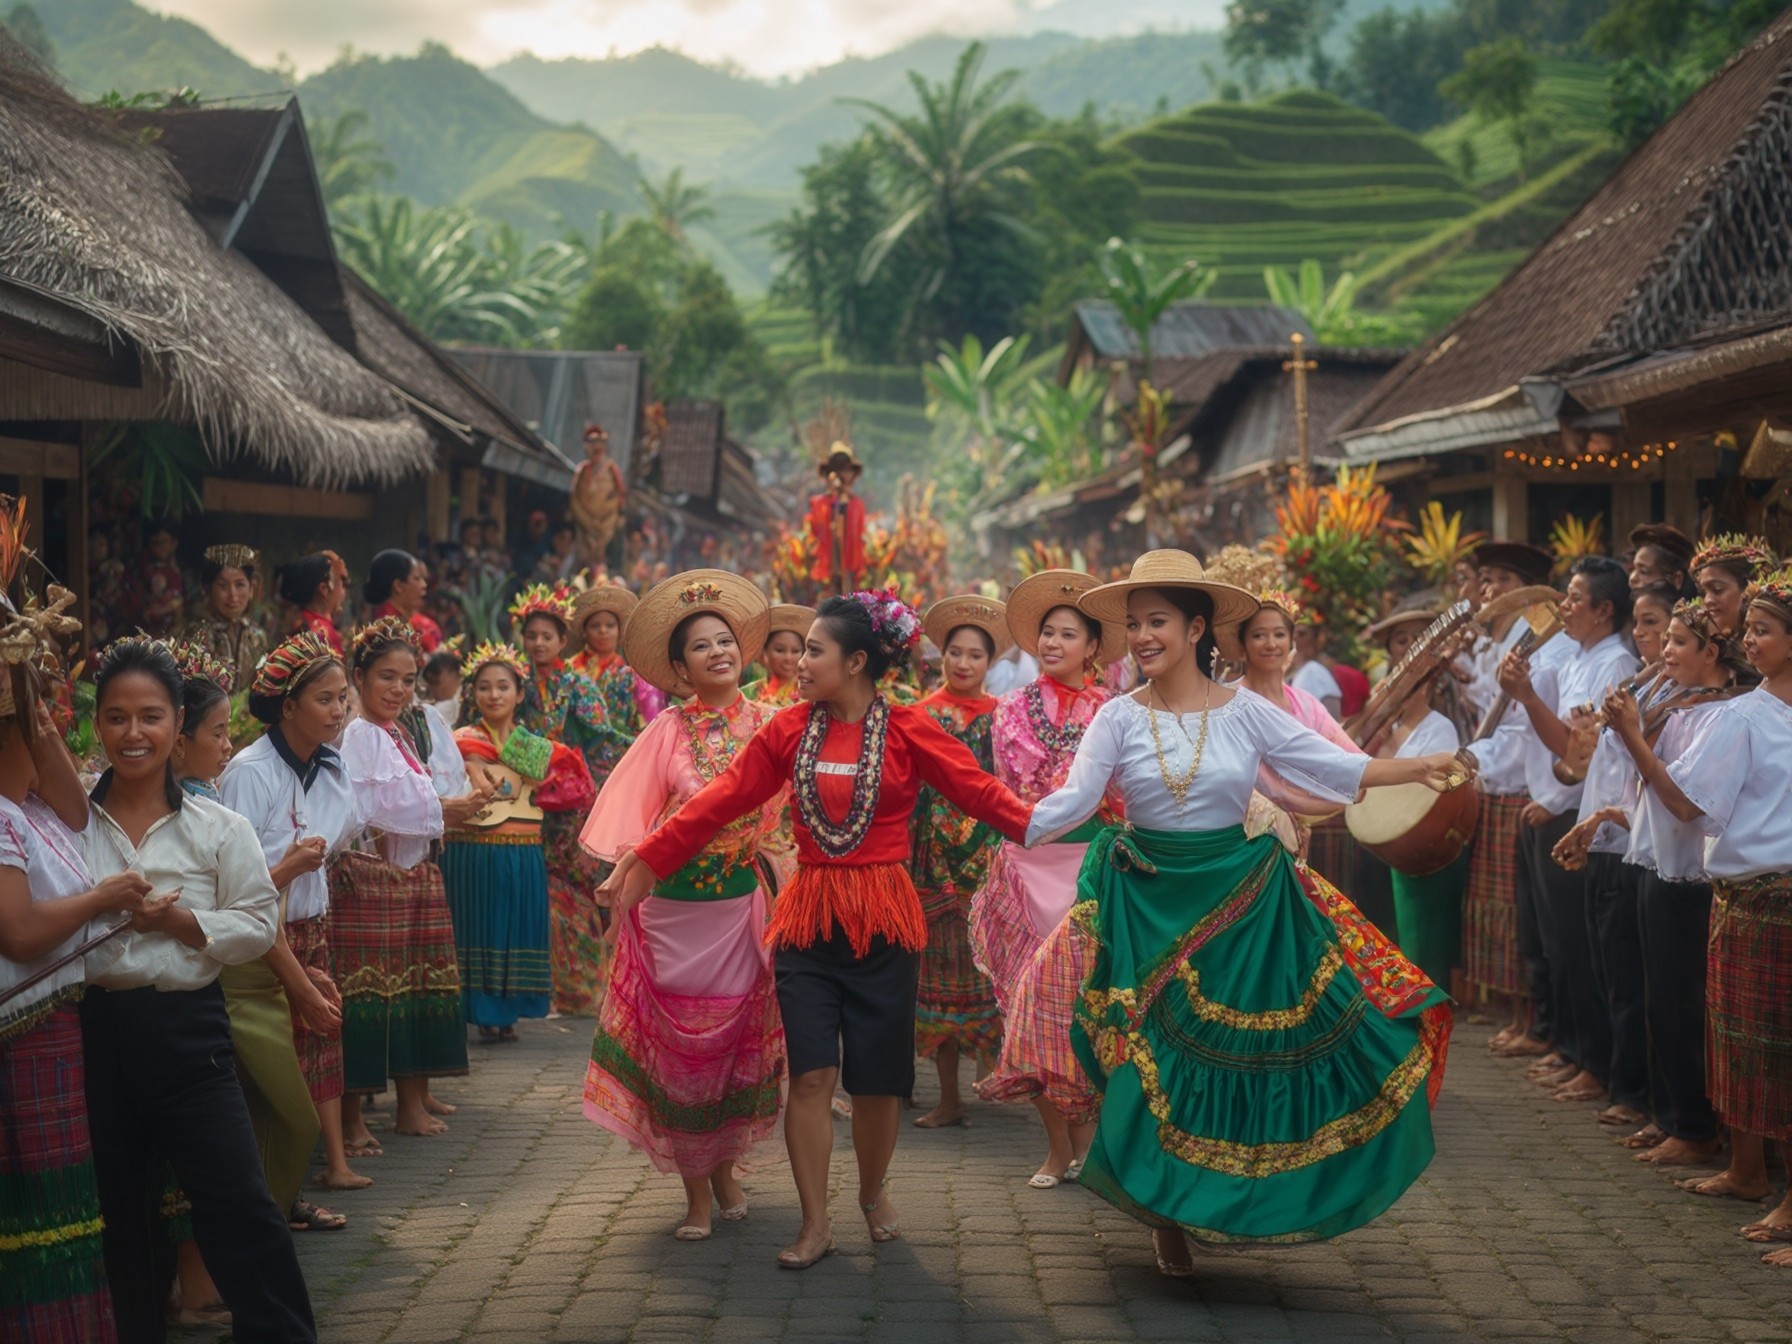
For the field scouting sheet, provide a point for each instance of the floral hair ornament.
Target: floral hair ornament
(196, 663)
(289, 663)
(1286, 603)
(1698, 618)
(1737, 549)
(338, 569)
(503, 655)
(245, 558)
(386, 630)
(538, 599)
(892, 619)
(1774, 591)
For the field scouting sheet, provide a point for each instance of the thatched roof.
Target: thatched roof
(1690, 241)
(100, 220)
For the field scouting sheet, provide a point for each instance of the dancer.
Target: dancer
(788, 627)
(493, 865)
(317, 586)
(161, 1086)
(1036, 731)
(955, 1009)
(687, 1063)
(629, 702)
(397, 586)
(848, 929)
(225, 629)
(389, 923)
(1262, 1053)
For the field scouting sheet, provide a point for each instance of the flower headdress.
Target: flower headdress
(1774, 591)
(538, 599)
(894, 622)
(233, 556)
(386, 630)
(289, 662)
(1285, 602)
(139, 640)
(1698, 618)
(504, 655)
(1736, 548)
(197, 663)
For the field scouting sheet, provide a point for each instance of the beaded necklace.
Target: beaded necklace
(1059, 740)
(710, 758)
(1179, 784)
(838, 841)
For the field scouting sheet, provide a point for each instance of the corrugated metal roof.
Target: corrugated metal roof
(1187, 330)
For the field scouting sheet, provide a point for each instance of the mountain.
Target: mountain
(104, 45)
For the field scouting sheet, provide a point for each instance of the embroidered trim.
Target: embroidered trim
(1059, 740)
(850, 768)
(1273, 1019)
(838, 841)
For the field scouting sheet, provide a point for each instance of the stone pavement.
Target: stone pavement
(526, 1223)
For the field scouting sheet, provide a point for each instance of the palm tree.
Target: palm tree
(948, 164)
(676, 205)
(1331, 310)
(349, 163)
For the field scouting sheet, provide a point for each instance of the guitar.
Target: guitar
(513, 799)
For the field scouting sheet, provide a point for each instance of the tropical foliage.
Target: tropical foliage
(1440, 544)
(1340, 550)
(1571, 538)
(160, 464)
(350, 162)
(1331, 311)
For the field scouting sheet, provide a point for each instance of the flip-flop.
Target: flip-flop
(689, 1233)
(961, 1120)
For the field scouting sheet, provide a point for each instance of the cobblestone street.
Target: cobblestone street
(526, 1223)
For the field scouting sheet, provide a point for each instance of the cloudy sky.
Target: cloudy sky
(767, 37)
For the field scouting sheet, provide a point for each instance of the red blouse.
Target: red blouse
(321, 625)
(917, 751)
(429, 634)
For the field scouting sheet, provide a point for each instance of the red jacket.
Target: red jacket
(821, 528)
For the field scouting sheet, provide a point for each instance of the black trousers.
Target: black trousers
(1547, 1020)
(1675, 920)
(162, 1087)
(1614, 931)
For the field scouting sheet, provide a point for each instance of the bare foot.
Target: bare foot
(417, 1122)
(1505, 1036)
(725, 1186)
(1522, 1047)
(1721, 1186)
(438, 1107)
(342, 1179)
(1776, 1226)
(940, 1117)
(1582, 1087)
(1681, 1152)
(1781, 1258)
(1649, 1136)
(360, 1142)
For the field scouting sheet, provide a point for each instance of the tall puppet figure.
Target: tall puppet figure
(598, 497)
(837, 522)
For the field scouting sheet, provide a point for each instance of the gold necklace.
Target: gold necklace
(1179, 785)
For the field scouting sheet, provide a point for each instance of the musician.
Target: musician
(837, 522)
(1595, 613)
(1660, 553)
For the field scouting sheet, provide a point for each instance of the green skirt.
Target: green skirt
(1266, 1056)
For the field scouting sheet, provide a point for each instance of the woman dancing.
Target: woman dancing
(1036, 732)
(848, 930)
(687, 1063)
(1261, 1050)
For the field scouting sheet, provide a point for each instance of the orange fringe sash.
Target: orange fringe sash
(861, 900)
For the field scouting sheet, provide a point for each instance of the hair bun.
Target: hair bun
(894, 624)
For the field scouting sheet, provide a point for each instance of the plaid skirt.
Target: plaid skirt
(1490, 905)
(52, 1266)
(392, 943)
(955, 1001)
(1748, 998)
(320, 1056)
(1037, 1058)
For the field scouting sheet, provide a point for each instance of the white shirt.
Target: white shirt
(1586, 676)
(1501, 755)
(260, 785)
(210, 855)
(1611, 782)
(1660, 841)
(33, 838)
(1010, 672)
(1738, 771)
(447, 768)
(1244, 733)
(394, 795)
(1316, 679)
(1434, 733)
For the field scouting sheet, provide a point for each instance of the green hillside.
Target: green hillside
(102, 45)
(1299, 175)
(1570, 100)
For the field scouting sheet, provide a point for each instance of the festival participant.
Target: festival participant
(224, 629)
(1244, 1150)
(1661, 554)
(397, 586)
(494, 866)
(848, 929)
(955, 1007)
(1309, 673)
(1427, 910)
(390, 929)
(564, 707)
(1035, 734)
(1595, 614)
(291, 786)
(789, 626)
(161, 1086)
(687, 1063)
(440, 684)
(1723, 568)
(52, 1266)
(598, 615)
(1733, 781)
(317, 586)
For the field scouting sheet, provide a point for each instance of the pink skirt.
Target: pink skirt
(1037, 1058)
(1027, 894)
(687, 1063)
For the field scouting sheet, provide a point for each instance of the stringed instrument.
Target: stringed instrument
(1544, 622)
(1430, 653)
(513, 800)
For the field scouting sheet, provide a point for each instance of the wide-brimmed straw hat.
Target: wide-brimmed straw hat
(789, 616)
(1034, 597)
(1419, 616)
(611, 597)
(973, 609)
(840, 458)
(695, 591)
(1169, 569)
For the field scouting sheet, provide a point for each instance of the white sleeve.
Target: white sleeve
(1714, 767)
(1302, 757)
(389, 795)
(242, 928)
(447, 768)
(1097, 758)
(244, 790)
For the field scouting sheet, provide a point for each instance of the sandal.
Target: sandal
(961, 1120)
(213, 1314)
(881, 1232)
(1044, 1180)
(304, 1216)
(734, 1213)
(689, 1233)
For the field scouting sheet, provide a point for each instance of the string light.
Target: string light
(1614, 461)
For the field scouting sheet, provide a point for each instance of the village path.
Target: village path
(527, 1224)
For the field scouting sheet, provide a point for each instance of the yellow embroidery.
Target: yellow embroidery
(1274, 1019)
(53, 1236)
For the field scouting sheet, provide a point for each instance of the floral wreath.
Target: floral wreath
(234, 556)
(197, 663)
(539, 599)
(386, 630)
(1737, 548)
(1286, 603)
(504, 655)
(893, 621)
(1698, 618)
(290, 660)
(1774, 590)
(141, 639)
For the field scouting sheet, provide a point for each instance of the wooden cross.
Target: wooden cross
(1300, 366)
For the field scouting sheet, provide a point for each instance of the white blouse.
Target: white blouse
(1244, 733)
(1316, 679)
(1501, 755)
(1660, 841)
(1738, 772)
(260, 786)
(1586, 675)
(447, 768)
(1611, 782)
(1434, 733)
(33, 838)
(394, 794)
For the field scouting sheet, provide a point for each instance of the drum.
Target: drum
(1414, 829)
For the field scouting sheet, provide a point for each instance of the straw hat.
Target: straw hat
(727, 595)
(611, 597)
(1170, 569)
(973, 609)
(840, 458)
(789, 616)
(1419, 616)
(1033, 597)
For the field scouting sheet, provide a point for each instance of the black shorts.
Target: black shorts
(831, 999)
